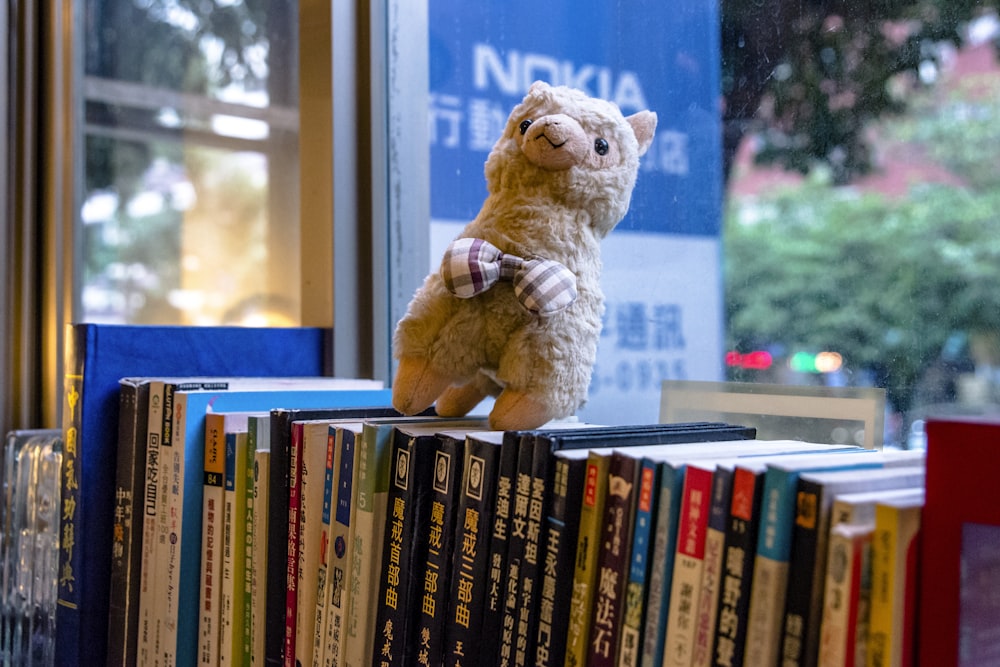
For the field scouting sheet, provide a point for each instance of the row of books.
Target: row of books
(539, 601)
(338, 585)
(620, 549)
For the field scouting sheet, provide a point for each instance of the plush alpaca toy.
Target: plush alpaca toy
(515, 310)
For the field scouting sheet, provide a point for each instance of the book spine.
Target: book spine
(292, 555)
(661, 568)
(153, 492)
(276, 581)
(227, 597)
(473, 522)
(493, 613)
(323, 588)
(801, 563)
(770, 580)
(613, 559)
(435, 599)
(688, 566)
(164, 640)
(896, 529)
(262, 462)
(342, 555)
(738, 571)
(246, 552)
(715, 538)
(534, 549)
(174, 405)
(563, 523)
(123, 604)
(845, 592)
(630, 648)
(312, 465)
(213, 502)
(185, 534)
(587, 549)
(396, 572)
(372, 455)
(69, 636)
(235, 548)
(521, 494)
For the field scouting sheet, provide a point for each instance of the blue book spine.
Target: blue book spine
(662, 564)
(635, 591)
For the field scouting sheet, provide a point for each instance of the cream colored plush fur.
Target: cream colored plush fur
(552, 195)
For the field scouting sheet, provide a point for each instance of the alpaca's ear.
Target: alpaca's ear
(644, 125)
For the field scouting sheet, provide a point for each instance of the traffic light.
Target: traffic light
(821, 362)
(758, 360)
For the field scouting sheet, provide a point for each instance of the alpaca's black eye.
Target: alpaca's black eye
(601, 146)
(525, 124)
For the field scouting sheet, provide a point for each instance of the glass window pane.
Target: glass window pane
(190, 201)
(661, 272)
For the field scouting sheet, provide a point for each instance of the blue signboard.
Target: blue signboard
(640, 54)
(661, 279)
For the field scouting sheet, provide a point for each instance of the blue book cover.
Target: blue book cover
(96, 357)
(192, 431)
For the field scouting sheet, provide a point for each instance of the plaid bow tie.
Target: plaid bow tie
(472, 266)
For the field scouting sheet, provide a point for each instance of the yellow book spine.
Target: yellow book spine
(883, 575)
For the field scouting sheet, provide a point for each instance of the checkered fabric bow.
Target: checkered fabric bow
(472, 266)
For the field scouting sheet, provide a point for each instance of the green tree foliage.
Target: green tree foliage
(187, 46)
(884, 282)
(809, 76)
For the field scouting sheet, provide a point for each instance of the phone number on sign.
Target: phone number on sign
(638, 375)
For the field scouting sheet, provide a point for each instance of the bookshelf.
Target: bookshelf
(533, 487)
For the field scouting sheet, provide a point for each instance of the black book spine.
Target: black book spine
(126, 547)
(562, 526)
(407, 530)
(470, 563)
(538, 501)
(436, 601)
(802, 560)
(516, 539)
(738, 565)
(613, 559)
(277, 546)
(493, 611)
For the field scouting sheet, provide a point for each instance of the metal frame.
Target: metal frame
(365, 172)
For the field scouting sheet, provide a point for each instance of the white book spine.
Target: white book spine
(767, 606)
(146, 645)
(843, 570)
(174, 530)
(709, 601)
(680, 614)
